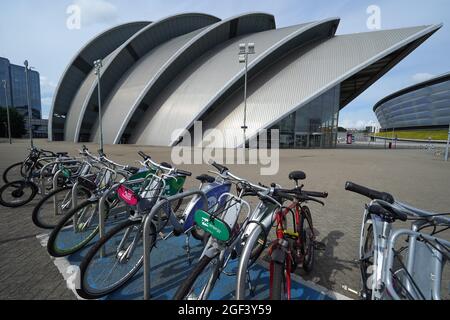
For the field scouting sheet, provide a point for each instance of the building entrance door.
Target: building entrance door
(315, 140)
(301, 140)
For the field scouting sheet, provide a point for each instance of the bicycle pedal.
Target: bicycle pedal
(319, 246)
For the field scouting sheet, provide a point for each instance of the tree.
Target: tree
(17, 123)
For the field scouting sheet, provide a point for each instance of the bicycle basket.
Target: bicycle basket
(214, 226)
(127, 195)
(87, 182)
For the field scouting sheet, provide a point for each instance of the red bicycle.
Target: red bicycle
(294, 247)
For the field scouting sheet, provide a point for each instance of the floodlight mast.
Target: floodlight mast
(245, 49)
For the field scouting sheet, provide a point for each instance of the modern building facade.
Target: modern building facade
(160, 78)
(425, 105)
(17, 88)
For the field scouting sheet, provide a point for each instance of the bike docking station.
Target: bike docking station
(171, 258)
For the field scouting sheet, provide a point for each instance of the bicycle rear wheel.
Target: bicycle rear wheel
(18, 193)
(67, 237)
(200, 282)
(123, 250)
(44, 215)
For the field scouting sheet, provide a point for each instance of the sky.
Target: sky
(38, 31)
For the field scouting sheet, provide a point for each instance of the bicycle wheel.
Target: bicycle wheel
(69, 237)
(367, 263)
(13, 173)
(278, 282)
(102, 275)
(18, 193)
(200, 281)
(44, 215)
(307, 235)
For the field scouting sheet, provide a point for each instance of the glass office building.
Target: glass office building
(424, 105)
(17, 89)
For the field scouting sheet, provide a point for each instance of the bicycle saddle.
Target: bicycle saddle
(133, 170)
(297, 175)
(62, 154)
(205, 178)
(166, 165)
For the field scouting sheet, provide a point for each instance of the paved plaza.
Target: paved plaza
(413, 176)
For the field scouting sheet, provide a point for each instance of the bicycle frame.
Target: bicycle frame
(423, 261)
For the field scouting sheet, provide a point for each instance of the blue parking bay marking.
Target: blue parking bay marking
(170, 266)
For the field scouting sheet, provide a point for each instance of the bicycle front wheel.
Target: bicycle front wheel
(17, 194)
(278, 282)
(75, 230)
(113, 260)
(199, 284)
(44, 215)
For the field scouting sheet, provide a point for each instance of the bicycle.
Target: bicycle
(81, 224)
(117, 256)
(54, 205)
(293, 248)
(412, 272)
(20, 192)
(229, 234)
(31, 161)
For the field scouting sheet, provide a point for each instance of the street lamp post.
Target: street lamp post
(244, 50)
(7, 110)
(448, 144)
(30, 128)
(98, 66)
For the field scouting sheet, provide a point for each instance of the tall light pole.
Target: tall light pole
(30, 128)
(7, 110)
(448, 144)
(98, 64)
(244, 50)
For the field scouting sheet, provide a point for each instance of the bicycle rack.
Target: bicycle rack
(435, 269)
(148, 219)
(41, 176)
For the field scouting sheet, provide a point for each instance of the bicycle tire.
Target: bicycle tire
(306, 232)
(5, 173)
(83, 291)
(365, 264)
(185, 288)
(278, 281)
(52, 248)
(19, 187)
(36, 215)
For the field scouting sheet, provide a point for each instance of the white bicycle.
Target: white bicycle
(390, 268)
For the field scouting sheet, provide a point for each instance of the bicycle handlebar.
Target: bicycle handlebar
(369, 193)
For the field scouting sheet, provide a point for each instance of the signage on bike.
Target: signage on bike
(216, 227)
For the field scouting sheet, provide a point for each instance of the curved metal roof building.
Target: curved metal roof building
(160, 78)
(423, 105)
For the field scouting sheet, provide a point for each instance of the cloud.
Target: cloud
(46, 83)
(96, 12)
(358, 124)
(420, 77)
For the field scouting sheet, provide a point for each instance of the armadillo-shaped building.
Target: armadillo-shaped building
(161, 77)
